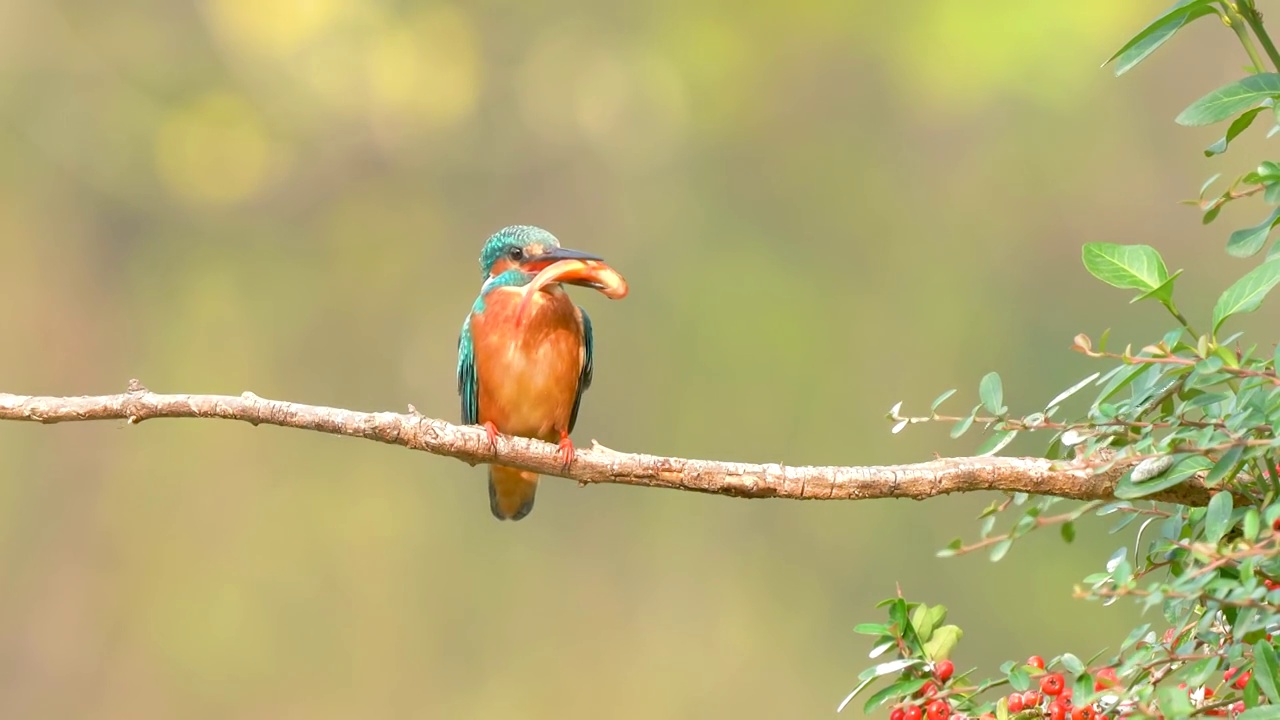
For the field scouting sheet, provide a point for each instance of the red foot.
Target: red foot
(492, 431)
(566, 449)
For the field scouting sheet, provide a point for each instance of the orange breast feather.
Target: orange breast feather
(528, 377)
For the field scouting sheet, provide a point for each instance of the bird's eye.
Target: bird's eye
(516, 254)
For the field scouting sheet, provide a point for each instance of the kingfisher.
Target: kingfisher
(525, 351)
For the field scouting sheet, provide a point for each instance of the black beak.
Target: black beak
(558, 254)
(554, 255)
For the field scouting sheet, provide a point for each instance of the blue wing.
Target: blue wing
(468, 384)
(584, 380)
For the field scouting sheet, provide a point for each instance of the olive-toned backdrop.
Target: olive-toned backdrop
(823, 207)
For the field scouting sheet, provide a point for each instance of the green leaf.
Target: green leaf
(1216, 516)
(1199, 672)
(1083, 686)
(1264, 670)
(944, 640)
(869, 676)
(1248, 241)
(1019, 679)
(1205, 187)
(1132, 267)
(940, 399)
(936, 616)
(1237, 126)
(1173, 701)
(1157, 32)
(1205, 399)
(1251, 525)
(1252, 693)
(1247, 293)
(1262, 712)
(1070, 391)
(951, 548)
(1230, 99)
(963, 425)
(871, 629)
(1163, 292)
(889, 668)
(996, 442)
(1134, 636)
(1068, 532)
(905, 688)
(920, 621)
(991, 393)
(999, 550)
(898, 616)
(1225, 464)
(861, 686)
(1122, 379)
(1129, 489)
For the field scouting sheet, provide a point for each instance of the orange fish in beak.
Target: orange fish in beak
(595, 274)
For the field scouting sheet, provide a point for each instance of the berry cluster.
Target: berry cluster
(1053, 699)
(1140, 682)
(928, 706)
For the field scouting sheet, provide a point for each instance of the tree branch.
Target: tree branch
(600, 464)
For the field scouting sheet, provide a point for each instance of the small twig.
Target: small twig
(1249, 11)
(1141, 592)
(1231, 195)
(1238, 25)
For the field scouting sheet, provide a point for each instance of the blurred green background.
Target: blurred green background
(823, 207)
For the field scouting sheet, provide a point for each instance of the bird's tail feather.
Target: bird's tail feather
(511, 492)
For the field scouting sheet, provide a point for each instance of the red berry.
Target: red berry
(1057, 712)
(1229, 673)
(1030, 699)
(1237, 707)
(939, 710)
(1208, 692)
(1106, 678)
(913, 712)
(1084, 712)
(944, 670)
(1036, 661)
(898, 714)
(1014, 701)
(927, 690)
(1052, 684)
(1243, 679)
(1275, 525)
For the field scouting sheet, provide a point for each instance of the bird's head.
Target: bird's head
(531, 250)
(539, 264)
